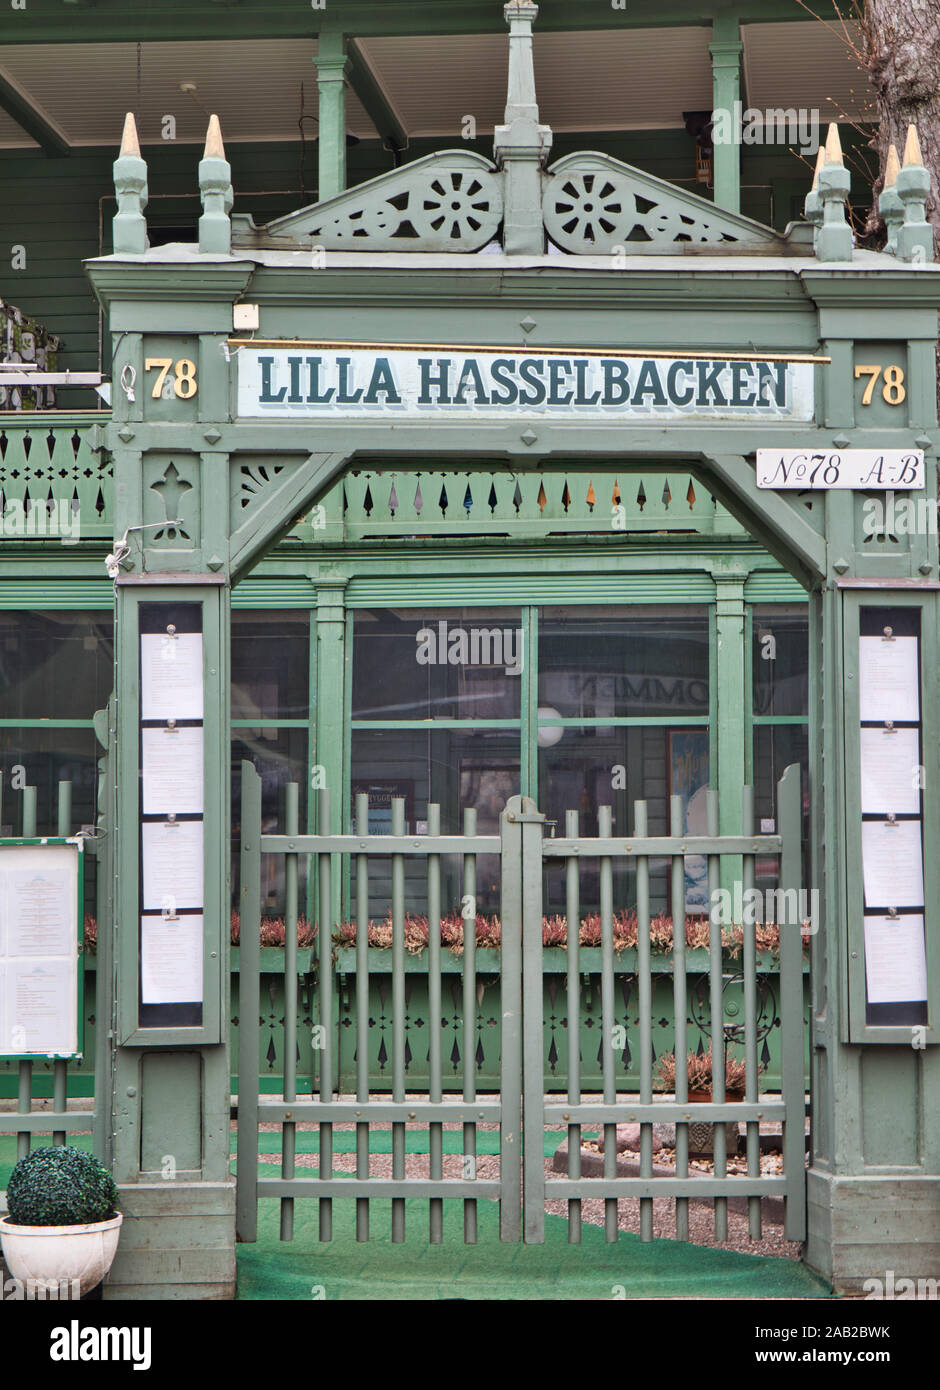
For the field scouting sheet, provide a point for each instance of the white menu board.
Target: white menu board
(39, 898)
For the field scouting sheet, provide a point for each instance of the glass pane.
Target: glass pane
(590, 768)
(279, 760)
(452, 767)
(55, 665)
(270, 665)
(774, 750)
(780, 660)
(618, 661)
(454, 663)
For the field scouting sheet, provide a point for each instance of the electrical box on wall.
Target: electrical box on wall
(246, 316)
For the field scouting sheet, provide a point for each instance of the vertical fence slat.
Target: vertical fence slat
(289, 1129)
(435, 1073)
(398, 1014)
(25, 1089)
(608, 1022)
(645, 991)
(469, 909)
(249, 1005)
(716, 993)
(789, 811)
(510, 1031)
(749, 968)
(533, 1043)
(325, 1001)
(362, 1012)
(677, 829)
(573, 919)
(60, 1067)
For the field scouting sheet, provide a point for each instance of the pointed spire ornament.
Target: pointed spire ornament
(889, 204)
(215, 189)
(892, 166)
(915, 236)
(833, 145)
(129, 226)
(832, 239)
(912, 153)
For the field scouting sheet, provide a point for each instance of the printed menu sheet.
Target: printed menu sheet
(171, 959)
(172, 771)
(888, 681)
(39, 949)
(895, 959)
(891, 773)
(892, 864)
(172, 865)
(171, 676)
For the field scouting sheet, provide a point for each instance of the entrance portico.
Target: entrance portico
(673, 336)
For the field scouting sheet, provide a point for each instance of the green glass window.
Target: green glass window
(55, 665)
(444, 663)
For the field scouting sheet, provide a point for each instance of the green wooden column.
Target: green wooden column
(331, 723)
(332, 67)
(726, 49)
(731, 697)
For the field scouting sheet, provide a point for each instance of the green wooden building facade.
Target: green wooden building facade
(649, 621)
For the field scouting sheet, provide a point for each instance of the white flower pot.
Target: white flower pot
(53, 1254)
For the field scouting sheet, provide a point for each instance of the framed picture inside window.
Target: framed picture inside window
(380, 796)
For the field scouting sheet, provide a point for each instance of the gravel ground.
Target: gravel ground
(701, 1215)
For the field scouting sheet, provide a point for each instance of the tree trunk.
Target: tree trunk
(901, 44)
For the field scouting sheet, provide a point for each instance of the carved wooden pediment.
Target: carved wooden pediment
(593, 204)
(448, 201)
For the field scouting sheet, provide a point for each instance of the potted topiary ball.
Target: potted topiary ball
(62, 1222)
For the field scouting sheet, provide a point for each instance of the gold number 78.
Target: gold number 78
(893, 391)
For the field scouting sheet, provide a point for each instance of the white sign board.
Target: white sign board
(867, 470)
(388, 385)
(39, 905)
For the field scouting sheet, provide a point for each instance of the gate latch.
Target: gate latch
(528, 818)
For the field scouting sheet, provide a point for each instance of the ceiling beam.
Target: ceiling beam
(375, 100)
(29, 116)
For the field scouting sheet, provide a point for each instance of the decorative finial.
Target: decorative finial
(521, 145)
(915, 237)
(214, 148)
(892, 166)
(912, 153)
(130, 185)
(129, 141)
(832, 238)
(833, 145)
(215, 189)
(889, 204)
(820, 161)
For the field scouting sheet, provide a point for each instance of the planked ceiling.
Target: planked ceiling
(618, 80)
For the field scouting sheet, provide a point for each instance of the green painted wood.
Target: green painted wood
(249, 1002)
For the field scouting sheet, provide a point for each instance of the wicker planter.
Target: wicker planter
(702, 1134)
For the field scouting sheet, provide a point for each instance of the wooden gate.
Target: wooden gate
(521, 1114)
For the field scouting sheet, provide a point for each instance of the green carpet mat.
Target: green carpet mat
(305, 1269)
